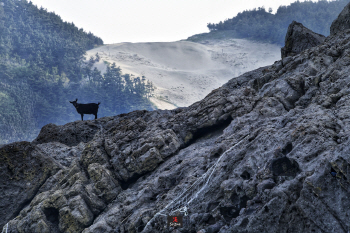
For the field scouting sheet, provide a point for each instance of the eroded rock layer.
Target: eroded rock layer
(267, 152)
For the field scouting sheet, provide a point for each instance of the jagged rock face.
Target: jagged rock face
(299, 38)
(24, 168)
(267, 152)
(342, 22)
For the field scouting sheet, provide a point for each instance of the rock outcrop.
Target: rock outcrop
(24, 168)
(342, 22)
(298, 39)
(267, 152)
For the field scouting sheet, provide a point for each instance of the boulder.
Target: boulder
(71, 135)
(298, 39)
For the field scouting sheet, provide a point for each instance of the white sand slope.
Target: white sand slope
(185, 72)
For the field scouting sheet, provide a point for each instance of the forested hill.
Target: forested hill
(42, 67)
(259, 24)
(42, 38)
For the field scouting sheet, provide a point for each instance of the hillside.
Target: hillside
(43, 68)
(185, 72)
(261, 25)
(269, 151)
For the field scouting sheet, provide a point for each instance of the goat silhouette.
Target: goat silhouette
(82, 109)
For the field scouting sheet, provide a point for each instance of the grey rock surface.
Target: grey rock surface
(299, 38)
(63, 154)
(24, 168)
(342, 22)
(267, 152)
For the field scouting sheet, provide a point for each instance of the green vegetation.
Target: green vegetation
(260, 25)
(42, 67)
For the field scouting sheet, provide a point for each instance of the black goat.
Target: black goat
(85, 108)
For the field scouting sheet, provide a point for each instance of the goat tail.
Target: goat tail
(98, 103)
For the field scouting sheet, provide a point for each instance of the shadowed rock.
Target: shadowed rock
(298, 39)
(284, 167)
(71, 135)
(23, 169)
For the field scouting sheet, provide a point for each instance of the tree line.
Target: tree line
(261, 25)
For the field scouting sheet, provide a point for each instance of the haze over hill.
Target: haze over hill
(185, 72)
(262, 25)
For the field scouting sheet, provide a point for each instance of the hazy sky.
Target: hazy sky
(150, 20)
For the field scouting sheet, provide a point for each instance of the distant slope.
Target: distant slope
(185, 72)
(260, 25)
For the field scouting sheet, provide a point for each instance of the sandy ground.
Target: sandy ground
(185, 72)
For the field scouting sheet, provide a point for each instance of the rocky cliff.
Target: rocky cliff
(269, 151)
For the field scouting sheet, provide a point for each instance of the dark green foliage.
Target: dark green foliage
(43, 38)
(42, 68)
(258, 24)
(117, 93)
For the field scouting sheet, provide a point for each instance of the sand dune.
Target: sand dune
(185, 72)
